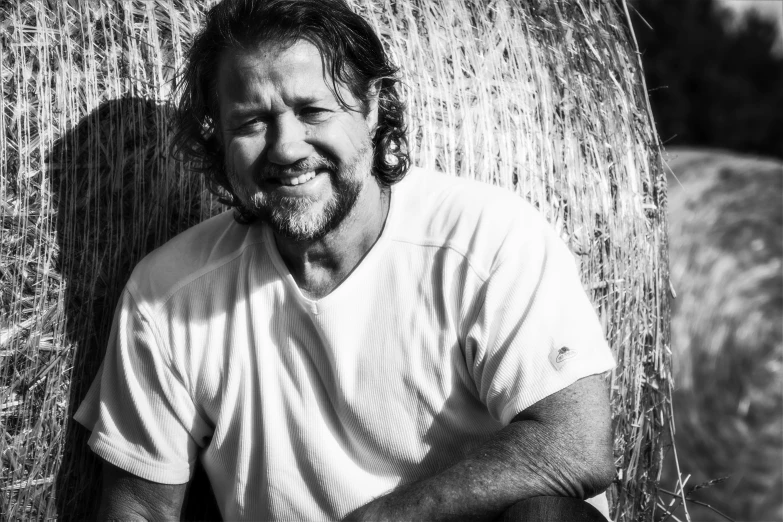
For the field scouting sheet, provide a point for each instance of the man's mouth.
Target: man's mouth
(298, 180)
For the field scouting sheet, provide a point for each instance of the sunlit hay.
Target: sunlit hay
(726, 235)
(542, 97)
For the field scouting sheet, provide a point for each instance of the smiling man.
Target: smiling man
(359, 339)
(280, 126)
(299, 156)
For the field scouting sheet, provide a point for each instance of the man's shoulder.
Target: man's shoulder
(457, 199)
(194, 253)
(471, 216)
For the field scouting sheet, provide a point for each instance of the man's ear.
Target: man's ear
(216, 132)
(214, 139)
(214, 143)
(371, 111)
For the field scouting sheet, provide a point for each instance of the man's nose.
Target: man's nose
(287, 143)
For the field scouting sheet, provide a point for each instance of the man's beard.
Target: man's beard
(297, 218)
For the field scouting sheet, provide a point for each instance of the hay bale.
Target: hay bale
(726, 230)
(544, 98)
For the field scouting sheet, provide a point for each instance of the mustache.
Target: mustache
(272, 170)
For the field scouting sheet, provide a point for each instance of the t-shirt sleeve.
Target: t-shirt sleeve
(142, 417)
(536, 331)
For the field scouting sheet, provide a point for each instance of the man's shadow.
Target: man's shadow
(118, 196)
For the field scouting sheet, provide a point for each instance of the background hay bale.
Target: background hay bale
(543, 97)
(726, 230)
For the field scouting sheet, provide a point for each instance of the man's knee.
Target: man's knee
(552, 509)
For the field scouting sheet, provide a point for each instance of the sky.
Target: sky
(772, 9)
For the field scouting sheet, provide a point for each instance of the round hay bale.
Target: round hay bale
(544, 98)
(726, 230)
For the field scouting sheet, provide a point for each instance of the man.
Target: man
(362, 342)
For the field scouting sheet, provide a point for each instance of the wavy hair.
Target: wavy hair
(352, 54)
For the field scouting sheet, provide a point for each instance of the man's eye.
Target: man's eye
(250, 125)
(313, 113)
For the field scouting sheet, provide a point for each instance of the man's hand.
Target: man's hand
(125, 496)
(560, 446)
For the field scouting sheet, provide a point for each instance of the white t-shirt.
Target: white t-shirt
(467, 310)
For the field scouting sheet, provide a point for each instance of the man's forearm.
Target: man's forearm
(554, 454)
(128, 497)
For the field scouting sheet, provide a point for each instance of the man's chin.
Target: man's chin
(299, 234)
(302, 219)
(301, 228)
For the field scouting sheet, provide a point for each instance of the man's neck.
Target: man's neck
(319, 266)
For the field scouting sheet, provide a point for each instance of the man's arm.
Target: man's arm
(560, 446)
(125, 496)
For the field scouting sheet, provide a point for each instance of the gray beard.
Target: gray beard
(292, 217)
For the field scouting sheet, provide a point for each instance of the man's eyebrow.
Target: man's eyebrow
(313, 99)
(245, 108)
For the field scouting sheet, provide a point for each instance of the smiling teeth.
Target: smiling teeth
(304, 178)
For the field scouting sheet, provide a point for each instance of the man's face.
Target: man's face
(294, 155)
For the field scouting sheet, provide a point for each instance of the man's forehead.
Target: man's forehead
(278, 64)
(292, 72)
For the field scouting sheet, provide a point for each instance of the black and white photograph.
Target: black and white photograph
(391, 260)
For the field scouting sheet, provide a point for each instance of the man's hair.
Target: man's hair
(352, 55)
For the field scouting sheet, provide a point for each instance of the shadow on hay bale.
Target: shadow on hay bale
(726, 255)
(118, 195)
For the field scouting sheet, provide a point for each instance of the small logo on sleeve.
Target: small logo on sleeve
(558, 357)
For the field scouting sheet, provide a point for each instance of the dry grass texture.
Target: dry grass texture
(542, 97)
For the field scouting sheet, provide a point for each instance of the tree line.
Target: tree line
(714, 80)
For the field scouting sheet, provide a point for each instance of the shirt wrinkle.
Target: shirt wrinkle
(165, 350)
